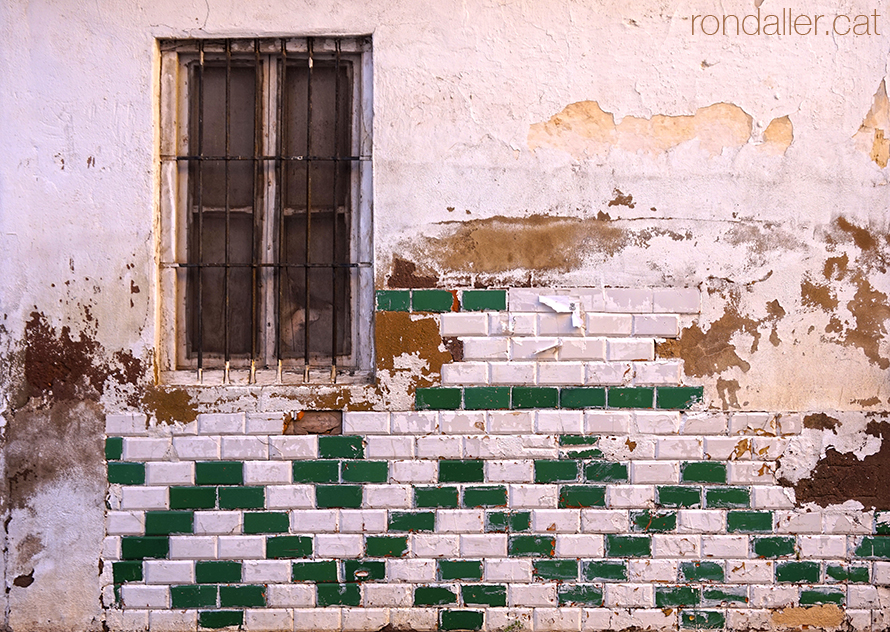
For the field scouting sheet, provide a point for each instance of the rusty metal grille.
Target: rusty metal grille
(271, 160)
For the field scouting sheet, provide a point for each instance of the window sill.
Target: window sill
(264, 377)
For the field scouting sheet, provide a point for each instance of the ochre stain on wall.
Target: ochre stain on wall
(824, 616)
(398, 333)
(778, 135)
(583, 129)
(873, 137)
(169, 405)
(820, 421)
(538, 242)
(840, 477)
(817, 295)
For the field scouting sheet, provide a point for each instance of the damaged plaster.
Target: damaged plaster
(873, 137)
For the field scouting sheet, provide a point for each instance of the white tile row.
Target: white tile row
(612, 300)
(558, 349)
(520, 324)
(665, 373)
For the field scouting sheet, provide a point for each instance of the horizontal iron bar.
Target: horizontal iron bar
(359, 264)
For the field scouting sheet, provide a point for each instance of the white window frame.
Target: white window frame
(174, 367)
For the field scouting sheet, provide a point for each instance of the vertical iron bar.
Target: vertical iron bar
(200, 187)
(254, 231)
(306, 292)
(334, 224)
(226, 184)
(282, 200)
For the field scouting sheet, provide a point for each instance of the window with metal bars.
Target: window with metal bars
(265, 204)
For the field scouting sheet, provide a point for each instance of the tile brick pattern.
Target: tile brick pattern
(560, 476)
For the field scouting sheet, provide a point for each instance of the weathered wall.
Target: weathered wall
(540, 144)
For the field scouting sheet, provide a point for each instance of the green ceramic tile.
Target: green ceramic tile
(582, 398)
(488, 496)
(821, 596)
(123, 473)
(653, 522)
(341, 447)
(216, 619)
(797, 572)
(114, 448)
(484, 595)
(166, 522)
(393, 300)
(318, 572)
(460, 569)
(386, 546)
(507, 521)
(678, 397)
(338, 595)
(338, 496)
(126, 572)
(438, 398)
(487, 397)
(363, 570)
(673, 596)
(749, 521)
(484, 300)
(579, 594)
(446, 497)
(701, 572)
(144, 547)
(266, 522)
(596, 570)
(219, 473)
(466, 471)
(606, 472)
(525, 397)
(575, 496)
(531, 546)
(217, 572)
(461, 620)
(412, 521)
(634, 397)
(702, 620)
(242, 596)
(679, 496)
(316, 471)
(851, 574)
(773, 546)
(242, 497)
(434, 596)
(703, 472)
(555, 471)
(557, 570)
(193, 596)
(724, 595)
(628, 545)
(727, 497)
(285, 546)
(432, 301)
(877, 547)
(364, 471)
(193, 497)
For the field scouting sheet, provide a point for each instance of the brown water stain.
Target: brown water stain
(708, 352)
(169, 405)
(537, 242)
(840, 477)
(820, 421)
(404, 275)
(817, 295)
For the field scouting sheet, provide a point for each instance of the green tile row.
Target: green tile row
(441, 300)
(714, 497)
(210, 596)
(526, 397)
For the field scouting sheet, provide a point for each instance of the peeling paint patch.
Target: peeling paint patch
(824, 616)
(778, 136)
(712, 351)
(817, 295)
(840, 477)
(820, 421)
(872, 136)
(404, 275)
(583, 129)
(400, 334)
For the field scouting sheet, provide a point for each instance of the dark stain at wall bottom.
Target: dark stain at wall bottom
(841, 477)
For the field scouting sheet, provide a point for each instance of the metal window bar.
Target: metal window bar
(196, 159)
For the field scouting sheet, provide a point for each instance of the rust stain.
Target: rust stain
(824, 616)
(404, 275)
(871, 138)
(537, 242)
(397, 333)
(840, 477)
(584, 129)
(869, 401)
(821, 421)
(169, 405)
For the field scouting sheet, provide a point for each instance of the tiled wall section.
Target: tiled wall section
(570, 503)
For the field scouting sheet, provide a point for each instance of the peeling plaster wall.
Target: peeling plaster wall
(519, 144)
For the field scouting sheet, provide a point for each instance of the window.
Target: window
(265, 247)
